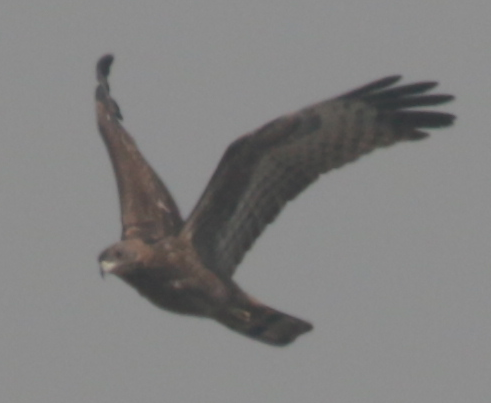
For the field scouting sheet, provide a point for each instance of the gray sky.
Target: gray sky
(388, 257)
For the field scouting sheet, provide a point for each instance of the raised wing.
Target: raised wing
(263, 170)
(148, 211)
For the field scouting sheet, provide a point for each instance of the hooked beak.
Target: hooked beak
(106, 267)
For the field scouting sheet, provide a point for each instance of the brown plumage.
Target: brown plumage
(186, 267)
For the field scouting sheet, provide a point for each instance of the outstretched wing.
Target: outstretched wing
(263, 170)
(148, 211)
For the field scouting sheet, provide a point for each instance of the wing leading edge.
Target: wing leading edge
(148, 210)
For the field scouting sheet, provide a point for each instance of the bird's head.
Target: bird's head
(121, 258)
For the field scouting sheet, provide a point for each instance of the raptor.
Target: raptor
(186, 266)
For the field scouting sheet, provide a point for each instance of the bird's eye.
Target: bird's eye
(118, 254)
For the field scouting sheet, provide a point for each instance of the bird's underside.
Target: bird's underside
(187, 266)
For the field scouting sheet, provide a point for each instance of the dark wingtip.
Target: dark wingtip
(384, 82)
(103, 69)
(397, 100)
(389, 80)
(389, 103)
(423, 119)
(104, 66)
(370, 87)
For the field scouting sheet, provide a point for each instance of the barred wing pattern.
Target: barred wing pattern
(148, 210)
(261, 171)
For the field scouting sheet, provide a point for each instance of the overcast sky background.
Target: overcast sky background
(390, 257)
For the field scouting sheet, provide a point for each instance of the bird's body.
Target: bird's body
(171, 265)
(187, 266)
(170, 275)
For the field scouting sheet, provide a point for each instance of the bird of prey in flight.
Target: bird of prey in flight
(186, 266)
